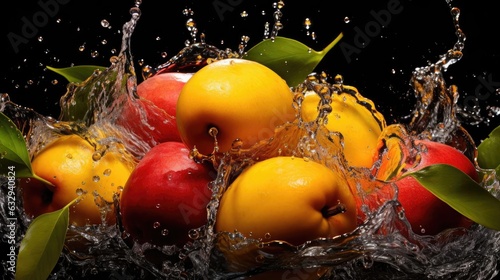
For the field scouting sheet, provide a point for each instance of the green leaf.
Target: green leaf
(76, 74)
(461, 192)
(291, 59)
(13, 151)
(488, 155)
(82, 102)
(42, 245)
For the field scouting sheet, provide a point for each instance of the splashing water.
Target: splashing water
(383, 245)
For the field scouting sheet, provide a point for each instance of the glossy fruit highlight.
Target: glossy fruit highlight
(166, 196)
(163, 90)
(232, 99)
(71, 164)
(289, 199)
(151, 116)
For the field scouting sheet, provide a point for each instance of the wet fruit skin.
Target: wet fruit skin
(356, 118)
(427, 214)
(69, 165)
(242, 99)
(157, 100)
(286, 199)
(294, 197)
(166, 196)
(163, 90)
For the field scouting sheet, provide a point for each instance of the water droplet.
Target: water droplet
(339, 79)
(213, 131)
(260, 259)
(267, 235)
(158, 206)
(94, 271)
(40, 38)
(70, 156)
(135, 12)
(107, 172)
(347, 20)
(187, 12)
(104, 23)
(5, 97)
(278, 25)
(147, 71)
(96, 178)
(80, 191)
(307, 23)
(164, 232)
(190, 24)
(194, 234)
(156, 225)
(244, 14)
(96, 156)
(81, 48)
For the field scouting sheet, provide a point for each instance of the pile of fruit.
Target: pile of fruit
(232, 152)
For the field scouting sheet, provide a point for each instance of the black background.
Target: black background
(414, 37)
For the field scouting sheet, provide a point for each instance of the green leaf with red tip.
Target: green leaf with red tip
(14, 153)
(291, 59)
(42, 245)
(76, 74)
(461, 192)
(488, 155)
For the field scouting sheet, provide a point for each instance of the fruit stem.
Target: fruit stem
(335, 210)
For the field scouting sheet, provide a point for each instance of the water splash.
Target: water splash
(435, 114)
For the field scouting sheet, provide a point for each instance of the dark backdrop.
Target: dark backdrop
(51, 32)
